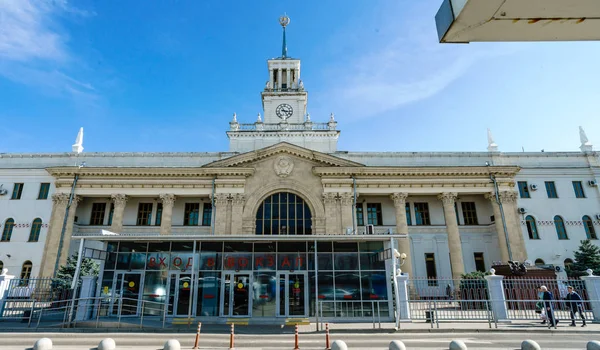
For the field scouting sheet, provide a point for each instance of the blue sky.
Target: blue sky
(167, 76)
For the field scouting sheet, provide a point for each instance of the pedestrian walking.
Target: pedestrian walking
(575, 304)
(539, 306)
(548, 299)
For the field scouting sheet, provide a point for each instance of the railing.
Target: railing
(281, 126)
(433, 311)
(130, 230)
(347, 309)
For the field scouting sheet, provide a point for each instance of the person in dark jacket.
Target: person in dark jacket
(575, 304)
(548, 298)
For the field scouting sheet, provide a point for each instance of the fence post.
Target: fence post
(592, 286)
(496, 293)
(88, 291)
(403, 301)
(4, 284)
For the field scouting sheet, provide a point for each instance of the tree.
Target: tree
(587, 257)
(66, 272)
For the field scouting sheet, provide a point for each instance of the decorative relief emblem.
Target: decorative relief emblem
(284, 166)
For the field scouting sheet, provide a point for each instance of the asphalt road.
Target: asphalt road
(126, 341)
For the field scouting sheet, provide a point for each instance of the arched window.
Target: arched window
(36, 227)
(539, 262)
(283, 214)
(531, 227)
(26, 273)
(561, 231)
(568, 262)
(7, 231)
(590, 232)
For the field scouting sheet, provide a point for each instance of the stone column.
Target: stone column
(279, 79)
(166, 220)
(271, 78)
(592, 286)
(346, 200)
(454, 243)
(329, 200)
(120, 200)
(57, 217)
(402, 229)
(237, 209)
(289, 77)
(221, 200)
(497, 297)
(499, 227)
(64, 254)
(513, 224)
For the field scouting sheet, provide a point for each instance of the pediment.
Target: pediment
(322, 159)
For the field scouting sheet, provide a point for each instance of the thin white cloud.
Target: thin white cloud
(33, 50)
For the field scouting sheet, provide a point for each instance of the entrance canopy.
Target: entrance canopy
(464, 21)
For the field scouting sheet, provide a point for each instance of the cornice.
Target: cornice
(147, 172)
(437, 171)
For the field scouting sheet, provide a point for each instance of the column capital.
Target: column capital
(168, 199)
(60, 198)
(508, 197)
(329, 198)
(238, 199)
(448, 198)
(399, 198)
(221, 199)
(76, 200)
(490, 195)
(346, 198)
(119, 199)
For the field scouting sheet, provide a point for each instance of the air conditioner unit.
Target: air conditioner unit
(522, 211)
(3, 191)
(370, 230)
(597, 216)
(533, 187)
(593, 183)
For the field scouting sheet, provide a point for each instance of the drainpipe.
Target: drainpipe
(354, 206)
(493, 178)
(212, 206)
(64, 226)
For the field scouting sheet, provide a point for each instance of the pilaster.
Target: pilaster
(237, 209)
(221, 200)
(57, 217)
(329, 201)
(346, 200)
(399, 199)
(166, 220)
(499, 227)
(454, 244)
(513, 225)
(120, 200)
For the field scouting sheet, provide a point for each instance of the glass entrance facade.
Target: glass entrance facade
(243, 279)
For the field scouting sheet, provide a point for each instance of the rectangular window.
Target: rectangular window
(144, 215)
(44, 189)
(158, 216)
(97, 217)
(431, 269)
(360, 219)
(17, 191)
(578, 188)
(408, 217)
(469, 213)
(523, 189)
(422, 214)
(551, 189)
(192, 211)
(206, 214)
(374, 214)
(110, 213)
(479, 262)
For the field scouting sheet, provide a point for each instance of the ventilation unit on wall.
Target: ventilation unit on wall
(593, 183)
(522, 211)
(3, 191)
(533, 187)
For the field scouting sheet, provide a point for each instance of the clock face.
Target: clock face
(284, 111)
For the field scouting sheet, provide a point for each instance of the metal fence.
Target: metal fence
(374, 310)
(22, 295)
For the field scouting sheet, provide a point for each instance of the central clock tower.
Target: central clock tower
(284, 118)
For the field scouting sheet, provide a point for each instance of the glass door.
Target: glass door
(236, 294)
(180, 293)
(292, 294)
(127, 287)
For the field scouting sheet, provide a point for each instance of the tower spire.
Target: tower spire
(284, 21)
